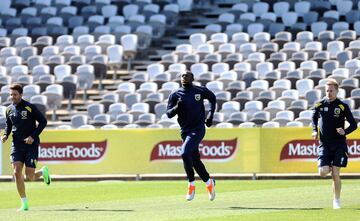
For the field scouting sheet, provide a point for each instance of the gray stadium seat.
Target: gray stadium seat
(78, 120)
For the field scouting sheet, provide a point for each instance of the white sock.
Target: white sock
(24, 200)
(208, 182)
(40, 171)
(192, 183)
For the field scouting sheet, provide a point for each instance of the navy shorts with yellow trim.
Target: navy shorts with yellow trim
(334, 154)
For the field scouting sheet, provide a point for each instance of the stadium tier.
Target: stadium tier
(112, 64)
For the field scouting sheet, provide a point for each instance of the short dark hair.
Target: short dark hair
(17, 87)
(186, 72)
(189, 72)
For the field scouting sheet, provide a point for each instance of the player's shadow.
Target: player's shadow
(270, 208)
(92, 210)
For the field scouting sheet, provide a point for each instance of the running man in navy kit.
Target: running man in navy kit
(21, 117)
(188, 103)
(333, 151)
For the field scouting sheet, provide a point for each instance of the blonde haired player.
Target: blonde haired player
(329, 127)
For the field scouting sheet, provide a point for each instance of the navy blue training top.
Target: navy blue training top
(21, 121)
(332, 115)
(191, 110)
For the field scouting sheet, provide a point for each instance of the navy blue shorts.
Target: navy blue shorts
(27, 155)
(335, 154)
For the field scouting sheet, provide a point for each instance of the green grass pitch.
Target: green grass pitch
(295, 200)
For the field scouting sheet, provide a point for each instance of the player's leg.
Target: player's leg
(324, 161)
(201, 170)
(188, 148)
(17, 162)
(324, 171)
(20, 184)
(31, 163)
(204, 175)
(19, 179)
(200, 167)
(340, 160)
(29, 174)
(336, 186)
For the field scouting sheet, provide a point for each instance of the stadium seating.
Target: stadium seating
(265, 61)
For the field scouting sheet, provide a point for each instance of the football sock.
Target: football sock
(208, 182)
(24, 200)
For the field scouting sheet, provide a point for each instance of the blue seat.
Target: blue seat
(297, 27)
(61, 3)
(67, 12)
(75, 21)
(47, 13)
(320, 6)
(88, 11)
(13, 23)
(38, 31)
(101, 30)
(352, 16)
(318, 27)
(17, 32)
(33, 22)
(94, 21)
(275, 28)
(81, 3)
(57, 31)
(3, 32)
(100, 3)
(7, 14)
(121, 4)
(40, 4)
(54, 22)
(310, 17)
(80, 30)
(109, 10)
(20, 4)
(26, 13)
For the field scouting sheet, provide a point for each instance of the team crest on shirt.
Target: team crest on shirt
(23, 115)
(197, 97)
(337, 111)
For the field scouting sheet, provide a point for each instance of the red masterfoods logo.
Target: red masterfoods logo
(306, 150)
(72, 151)
(217, 150)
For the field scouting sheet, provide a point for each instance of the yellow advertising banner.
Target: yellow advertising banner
(291, 150)
(142, 151)
(139, 151)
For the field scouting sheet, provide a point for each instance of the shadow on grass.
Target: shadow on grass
(270, 208)
(91, 210)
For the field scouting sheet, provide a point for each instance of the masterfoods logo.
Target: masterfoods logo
(215, 150)
(306, 150)
(72, 151)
